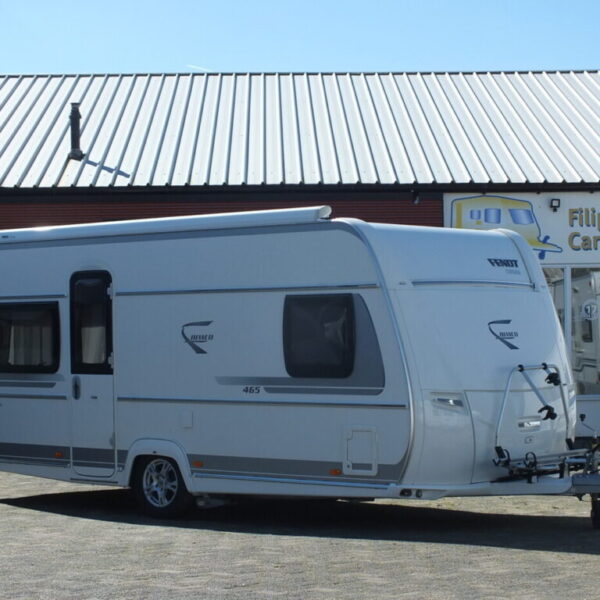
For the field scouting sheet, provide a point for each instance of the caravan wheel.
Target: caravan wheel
(159, 487)
(595, 513)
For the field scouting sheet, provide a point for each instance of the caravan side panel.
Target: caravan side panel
(204, 363)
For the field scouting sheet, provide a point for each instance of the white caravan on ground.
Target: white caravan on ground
(283, 353)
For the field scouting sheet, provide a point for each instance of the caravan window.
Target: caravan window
(91, 322)
(318, 335)
(492, 215)
(29, 338)
(521, 216)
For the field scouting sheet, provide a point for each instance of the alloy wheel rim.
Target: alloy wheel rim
(160, 483)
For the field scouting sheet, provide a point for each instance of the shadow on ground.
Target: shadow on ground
(338, 519)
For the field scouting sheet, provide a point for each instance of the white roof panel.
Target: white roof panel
(302, 128)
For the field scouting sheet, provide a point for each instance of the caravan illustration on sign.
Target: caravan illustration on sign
(494, 212)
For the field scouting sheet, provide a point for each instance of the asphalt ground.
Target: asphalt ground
(65, 541)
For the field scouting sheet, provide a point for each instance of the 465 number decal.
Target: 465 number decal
(251, 389)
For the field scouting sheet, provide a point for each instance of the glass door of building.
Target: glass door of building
(576, 294)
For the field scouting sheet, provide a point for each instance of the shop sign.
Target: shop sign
(567, 234)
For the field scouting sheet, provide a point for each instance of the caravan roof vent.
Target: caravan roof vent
(75, 119)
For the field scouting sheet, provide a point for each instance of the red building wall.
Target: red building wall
(33, 211)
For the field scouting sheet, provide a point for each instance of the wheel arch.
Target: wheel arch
(156, 448)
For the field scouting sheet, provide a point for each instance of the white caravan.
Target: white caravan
(283, 353)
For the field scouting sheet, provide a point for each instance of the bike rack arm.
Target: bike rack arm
(523, 370)
(504, 399)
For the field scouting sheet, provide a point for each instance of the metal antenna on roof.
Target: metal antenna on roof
(75, 117)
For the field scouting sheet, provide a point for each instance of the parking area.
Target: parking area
(66, 541)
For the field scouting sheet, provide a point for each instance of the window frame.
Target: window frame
(78, 366)
(53, 308)
(342, 371)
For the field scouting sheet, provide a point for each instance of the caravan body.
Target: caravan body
(281, 353)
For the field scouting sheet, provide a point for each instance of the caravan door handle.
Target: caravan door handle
(449, 402)
(76, 388)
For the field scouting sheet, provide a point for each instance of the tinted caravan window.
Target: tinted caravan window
(318, 335)
(29, 338)
(91, 322)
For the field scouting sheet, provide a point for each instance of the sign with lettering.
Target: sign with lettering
(568, 235)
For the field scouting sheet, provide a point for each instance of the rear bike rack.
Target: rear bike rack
(553, 377)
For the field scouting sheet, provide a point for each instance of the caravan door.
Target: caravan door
(92, 393)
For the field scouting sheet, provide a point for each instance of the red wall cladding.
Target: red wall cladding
(32, 213)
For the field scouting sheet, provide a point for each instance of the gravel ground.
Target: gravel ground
(65, 541)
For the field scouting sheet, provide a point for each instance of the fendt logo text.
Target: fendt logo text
(503, 262)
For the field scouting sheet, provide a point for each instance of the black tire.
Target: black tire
(159, 488)
(595, 512)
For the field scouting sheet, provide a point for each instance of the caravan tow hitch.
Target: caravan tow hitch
(531, 467)
(588, 482)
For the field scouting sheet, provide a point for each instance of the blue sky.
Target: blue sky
(126, 36)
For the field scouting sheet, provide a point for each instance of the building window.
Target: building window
(91, 322)
(29, 338)
(585, 312)
(556, 283)
(576, 295)
(319, 335)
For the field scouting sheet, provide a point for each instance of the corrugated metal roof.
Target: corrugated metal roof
(254, 129)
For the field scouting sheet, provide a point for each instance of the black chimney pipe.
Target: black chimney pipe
(75, 118)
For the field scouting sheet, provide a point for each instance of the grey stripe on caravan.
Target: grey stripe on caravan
(32, 397)
(278, 467)
(516, 284)
(28, 384)
(339, 482)
(37, 452)
(33, 297)
(98, 457)
(178, 235)
(91, 479)
(25, 460)
(249, 290)
(259, 402)
(88, 455)
(306, 383)
(93, 464)
(324, 390)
